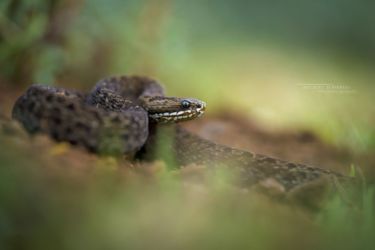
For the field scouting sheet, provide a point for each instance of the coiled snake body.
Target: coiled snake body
(118, 115)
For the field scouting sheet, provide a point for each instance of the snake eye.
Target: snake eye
(185, 104)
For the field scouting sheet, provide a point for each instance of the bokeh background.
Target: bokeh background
(258, 56)
(284, 64)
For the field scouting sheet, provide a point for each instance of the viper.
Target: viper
(121, 115)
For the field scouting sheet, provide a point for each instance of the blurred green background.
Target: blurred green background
(294, 64)
(257, 56)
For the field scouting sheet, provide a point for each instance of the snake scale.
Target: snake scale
(121, 115)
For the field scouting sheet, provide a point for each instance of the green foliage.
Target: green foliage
(29, 49)
(345, 227)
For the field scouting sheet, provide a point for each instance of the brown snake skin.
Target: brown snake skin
(121, 114)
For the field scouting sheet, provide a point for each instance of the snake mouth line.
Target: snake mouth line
(201, 111)
(189, 109)
(178, 115)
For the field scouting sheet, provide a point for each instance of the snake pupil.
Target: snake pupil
(185, 104)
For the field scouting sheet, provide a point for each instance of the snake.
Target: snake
(122, 114)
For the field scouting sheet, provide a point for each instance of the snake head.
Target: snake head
(172, 109)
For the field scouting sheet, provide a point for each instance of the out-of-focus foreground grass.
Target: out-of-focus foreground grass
(289, 64)
(105, 206)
